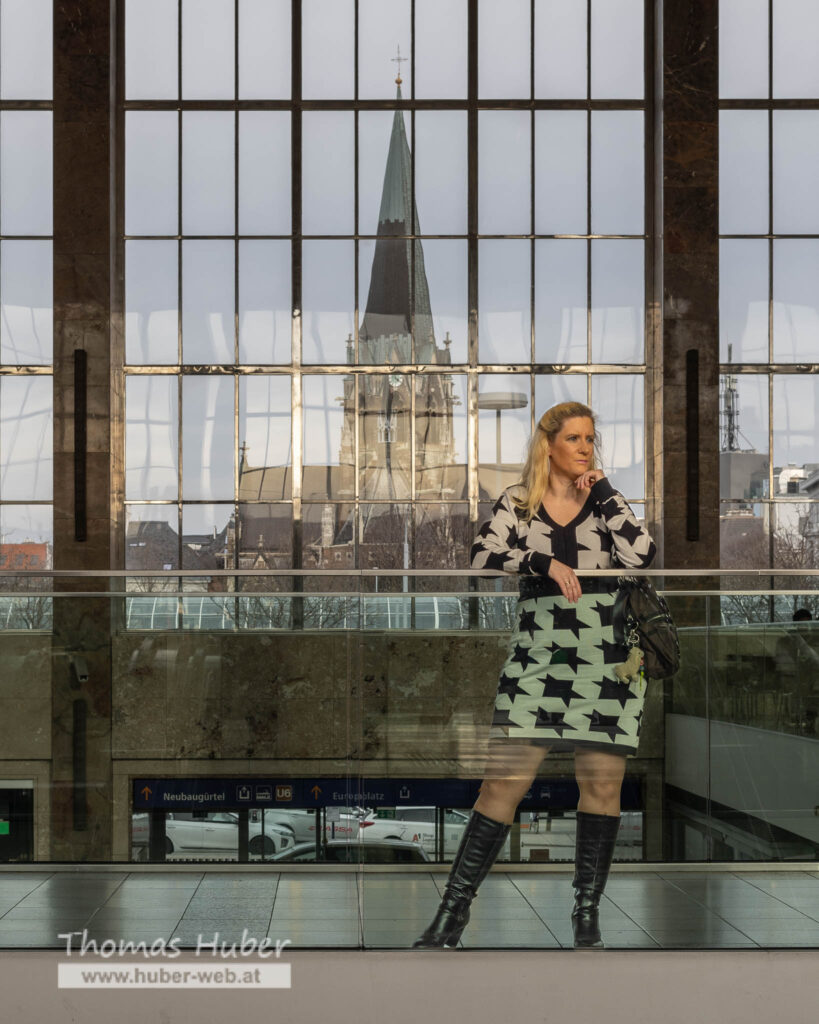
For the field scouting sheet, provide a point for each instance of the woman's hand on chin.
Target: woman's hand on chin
(587, 479)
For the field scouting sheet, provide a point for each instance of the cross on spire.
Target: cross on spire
(399, 60)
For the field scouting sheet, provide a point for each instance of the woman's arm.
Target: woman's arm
(497, 544)
(632, 542)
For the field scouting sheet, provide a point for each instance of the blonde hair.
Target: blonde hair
(535, 476)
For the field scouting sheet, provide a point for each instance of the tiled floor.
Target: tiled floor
(640, 910)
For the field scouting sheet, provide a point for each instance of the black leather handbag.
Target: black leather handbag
(641, 618)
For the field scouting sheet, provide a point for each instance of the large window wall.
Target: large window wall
(365, 246)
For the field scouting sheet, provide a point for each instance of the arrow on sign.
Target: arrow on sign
(146, 791)
(315, 791)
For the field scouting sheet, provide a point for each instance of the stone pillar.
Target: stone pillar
(81, 702)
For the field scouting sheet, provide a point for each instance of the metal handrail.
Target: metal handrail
(433, 573)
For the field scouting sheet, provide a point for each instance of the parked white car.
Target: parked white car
(212, 832)
(417, 825)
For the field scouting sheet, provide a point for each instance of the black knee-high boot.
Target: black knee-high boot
(481, 842)
(594, 849)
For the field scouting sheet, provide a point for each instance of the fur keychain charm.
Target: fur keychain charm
(630, 669)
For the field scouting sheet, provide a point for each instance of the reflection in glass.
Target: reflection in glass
(440, 436)
(209, 540)
(327, 49)
(560, 172)
(151, 542)
(795, 169)
(264, 437)
(617, 400)
(504, 48)
(328, 172)
(151, 429)
(743, 436)
(151, 172)
(151, 50)
(743, 172)
(264, 540)
(264, 301)
(618, 172)
(560, 51)
(504, 184)
(375, 176)
(795, 427)
(795, 301)
(207, 437)
(795, 40)
(207, 49)
(445, 261)
(561, 303)
(504, 318)
(743, 49)
(384, 435)
(743, 300)
(504, 429)
(26, 33)
(264, 172)
(328, 541)
(151, 302)
(443, 540)
(617, 50)
(26, 158)
(618, 301)
(383, 25)
(207, 172)
(385, 541)
(441, 171)
(207, 301)
(26, 454)
(26, 303)
(328, 295)
(553, 388)
(440, 49)
(26, 544)
(264, 49)
(328, 405)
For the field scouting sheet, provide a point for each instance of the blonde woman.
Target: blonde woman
(558, 689)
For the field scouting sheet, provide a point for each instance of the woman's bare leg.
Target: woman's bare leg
(599, 775)
(510, 771)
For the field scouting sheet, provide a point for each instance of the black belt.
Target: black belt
(545, 586)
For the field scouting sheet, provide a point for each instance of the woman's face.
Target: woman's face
(572, 451)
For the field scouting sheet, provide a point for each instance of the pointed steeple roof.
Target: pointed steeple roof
(385, 329)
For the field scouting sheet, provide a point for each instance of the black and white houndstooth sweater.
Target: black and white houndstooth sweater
(604, 533)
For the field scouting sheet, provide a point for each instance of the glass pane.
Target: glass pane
(743, 172)
(208, 165)
(208, 542)
(743, 300)
(384, 406)
(618, 166)
(443, 540)
(208, 49)
(151, 433)
(441, 171)
(264, 437)
(383, 25)
(328, 185)
(441, 436)
(504, 429)
(554, 388)
(795, 426)
(26, 172)
(384, 174)
(617, 52)
(504, 172)
(561, 303)
(207, 302)
(26, 447)
(795, 300)
(151, 542)
(265, 198)
(560, 172)
(795, 170)
(328, 404)
(265, 541)
(440, 49)
(27, 539)
(560, 50)
(504, 317)
(327, 49)
(445, 262)
(264, 302)
(743, 49)
(618, 301)
(264, 49)
(743, 437)
(151, 172)
(328, 295)
(151, 50)
(795, 43)
(151, 302)
(504, 49)
(208, 444)
(617, 400)
(26, 35)
(329, 536)
(26, 295)
(385, 531)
